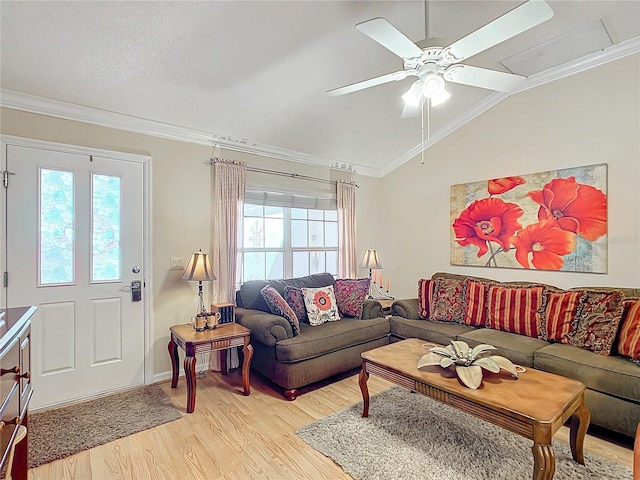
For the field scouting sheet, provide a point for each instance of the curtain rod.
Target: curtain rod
(287, 174)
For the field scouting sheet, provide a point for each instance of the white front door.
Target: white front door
(75, 243)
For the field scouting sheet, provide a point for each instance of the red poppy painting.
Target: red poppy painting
(554, 220)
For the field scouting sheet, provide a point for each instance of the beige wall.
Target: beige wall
(180, 206)
(592, 117)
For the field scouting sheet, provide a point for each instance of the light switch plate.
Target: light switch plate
(176, 263)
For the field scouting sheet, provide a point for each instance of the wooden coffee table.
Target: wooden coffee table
(534, 406)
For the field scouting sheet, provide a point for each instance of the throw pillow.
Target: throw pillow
(515, 309)
(295, 299)
(350, 295)
(595, 326)
(475, 303)
(424, 297)
(447, 299)
(559, 314)
(321, 305)
(629, 336)
(279, 306)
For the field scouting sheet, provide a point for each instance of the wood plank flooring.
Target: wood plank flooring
(230, 436)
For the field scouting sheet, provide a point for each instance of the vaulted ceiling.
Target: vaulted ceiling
(252, 75)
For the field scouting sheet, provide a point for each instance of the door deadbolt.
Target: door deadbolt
(136, 290)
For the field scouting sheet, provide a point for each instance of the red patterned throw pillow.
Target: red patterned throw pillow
(595, 326)
(629, 335)
(559, 314)
(350, 295)
(295, 299)
(447, 299)
(279, 306)
(475, 303)
(424, 297)
(321, 305)
(515, 310)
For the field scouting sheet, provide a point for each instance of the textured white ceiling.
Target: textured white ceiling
(257, 71)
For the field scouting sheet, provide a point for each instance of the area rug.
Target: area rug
(60, 432)
(410, 436)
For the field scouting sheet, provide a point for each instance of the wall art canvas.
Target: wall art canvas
(554, 220)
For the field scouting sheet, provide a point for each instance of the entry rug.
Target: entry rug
(410, 436)
(60, 432)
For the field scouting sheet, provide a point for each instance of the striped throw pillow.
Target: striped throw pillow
(559, 315)
(424, 297)
(515, 310)
(629, 334)
(475, 303)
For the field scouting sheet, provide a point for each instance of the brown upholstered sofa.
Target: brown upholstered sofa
(613, 382)
(317, 352)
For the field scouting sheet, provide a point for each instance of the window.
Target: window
(283, 242)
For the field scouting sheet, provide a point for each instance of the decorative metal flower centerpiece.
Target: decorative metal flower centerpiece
(469, 362)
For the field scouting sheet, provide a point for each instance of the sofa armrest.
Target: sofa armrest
(266, 328)
(371, 309)
(407, 308)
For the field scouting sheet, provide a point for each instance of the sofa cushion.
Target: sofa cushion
(447, 300)
(440, 333)
(424, 297)
(559, 314)
(515, 310)
(517, 348)
(321, 305)
(612, 375)
(350, 295)
(250, 296)
(595, 326)
(279, 306)
(329, 337)
(294, 297)
(475, 303)
(629, 334)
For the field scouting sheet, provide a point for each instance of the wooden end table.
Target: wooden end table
(192, 342)
(534, 406)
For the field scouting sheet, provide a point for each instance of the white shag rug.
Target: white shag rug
(410, 436)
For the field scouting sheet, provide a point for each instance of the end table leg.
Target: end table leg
(224, 368)
(247, 352)
(363, 377)
(173, 354)
(579, 423)
(190, 374)
(544, 462)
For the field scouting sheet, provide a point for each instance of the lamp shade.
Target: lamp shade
(198, 269)
(370, 260)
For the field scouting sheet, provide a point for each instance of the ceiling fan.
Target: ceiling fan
(434, 66)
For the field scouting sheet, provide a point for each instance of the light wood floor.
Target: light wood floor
(230, 436)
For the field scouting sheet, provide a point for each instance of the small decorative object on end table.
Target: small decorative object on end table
(193, 342)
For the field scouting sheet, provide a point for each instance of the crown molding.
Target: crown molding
(55, 108)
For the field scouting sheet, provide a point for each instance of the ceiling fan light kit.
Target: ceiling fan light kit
(434, 66)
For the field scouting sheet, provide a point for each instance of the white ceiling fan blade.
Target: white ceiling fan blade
(380, 30)
(512, 23)
(483, 78)
(372, 82)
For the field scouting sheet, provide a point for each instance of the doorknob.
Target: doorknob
(135, 269)
(136, 290)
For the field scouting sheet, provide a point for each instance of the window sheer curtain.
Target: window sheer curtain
(347, 262)
(228, 181)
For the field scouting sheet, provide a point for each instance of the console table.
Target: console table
(192, 342)
(15, 382)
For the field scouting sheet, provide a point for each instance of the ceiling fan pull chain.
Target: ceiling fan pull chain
(422, 132)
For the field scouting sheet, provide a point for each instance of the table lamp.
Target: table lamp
(370, 260)
(199, 270)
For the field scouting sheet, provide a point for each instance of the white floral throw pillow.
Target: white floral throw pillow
(321, 305)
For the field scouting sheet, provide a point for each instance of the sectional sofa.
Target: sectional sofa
(317, 353)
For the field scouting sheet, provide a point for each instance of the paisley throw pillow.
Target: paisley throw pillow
(279, 306)
(350, 295)
(295, 299)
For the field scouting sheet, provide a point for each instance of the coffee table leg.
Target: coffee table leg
(362, 381)
(190, 374)
(544, 462)
(173, 354)
(579, 423)
(247, 352)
